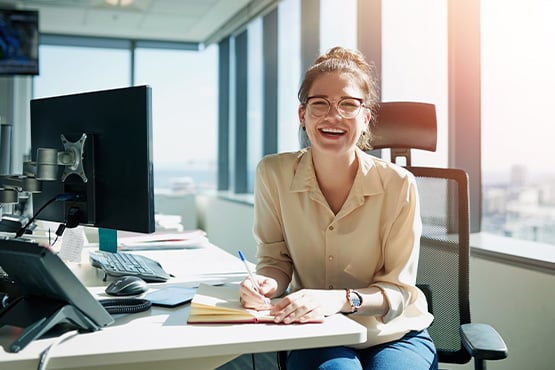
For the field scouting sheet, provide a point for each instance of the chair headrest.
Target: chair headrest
(405, 125)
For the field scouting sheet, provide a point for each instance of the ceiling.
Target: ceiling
(196, 21)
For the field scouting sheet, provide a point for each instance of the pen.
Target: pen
(254, 282)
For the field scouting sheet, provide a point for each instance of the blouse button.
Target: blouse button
(330, 286)
(330, 258)
(331, 228)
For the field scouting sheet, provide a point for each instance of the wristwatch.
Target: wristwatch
(354, 298)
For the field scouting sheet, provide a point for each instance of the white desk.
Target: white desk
(161, 339)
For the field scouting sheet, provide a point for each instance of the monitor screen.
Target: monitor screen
(19, 42)
(112, 131)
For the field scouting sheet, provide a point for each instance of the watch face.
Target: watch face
(355, 300)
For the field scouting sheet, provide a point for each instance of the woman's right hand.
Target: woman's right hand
(258, 300)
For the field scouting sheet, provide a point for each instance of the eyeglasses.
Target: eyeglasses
(347, 107)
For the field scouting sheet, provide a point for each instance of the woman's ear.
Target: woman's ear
(301, 113)
(368, 116)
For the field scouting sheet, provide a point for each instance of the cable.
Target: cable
(60, 197)
(125, 305)
(59, 232)
(45, 355)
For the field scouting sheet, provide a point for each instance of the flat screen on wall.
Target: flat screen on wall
(19, 42)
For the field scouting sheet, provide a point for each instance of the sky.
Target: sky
(518, 79)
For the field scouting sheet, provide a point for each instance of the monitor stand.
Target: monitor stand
(39, 315)
(107, 240)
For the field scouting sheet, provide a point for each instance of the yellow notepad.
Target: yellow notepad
(220, 304)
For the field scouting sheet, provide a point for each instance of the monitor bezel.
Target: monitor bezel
(119, 193)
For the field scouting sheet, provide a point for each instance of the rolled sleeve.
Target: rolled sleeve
(397, 300)
(272, 250)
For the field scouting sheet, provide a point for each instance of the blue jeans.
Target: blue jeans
(414, 351)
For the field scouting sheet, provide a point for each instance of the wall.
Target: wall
(517, 301)
(228, 224)
(182, 205)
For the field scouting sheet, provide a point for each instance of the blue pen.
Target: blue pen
(254, 282)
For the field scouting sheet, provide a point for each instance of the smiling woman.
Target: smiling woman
(338, 96)
(326, 186)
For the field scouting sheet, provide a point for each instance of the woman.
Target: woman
(340, 228)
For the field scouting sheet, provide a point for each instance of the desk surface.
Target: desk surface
(160, 338)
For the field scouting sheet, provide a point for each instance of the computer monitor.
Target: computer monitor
(109, 132)
(19, 42)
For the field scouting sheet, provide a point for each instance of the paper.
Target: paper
(72, 244)
(184, 240)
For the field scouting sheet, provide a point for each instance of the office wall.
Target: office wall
(182, 205)
(517, 301)
(228, 224)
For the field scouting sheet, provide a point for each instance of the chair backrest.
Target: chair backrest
(402, 126)
(443, 272)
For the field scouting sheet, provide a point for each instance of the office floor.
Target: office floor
(258, 361)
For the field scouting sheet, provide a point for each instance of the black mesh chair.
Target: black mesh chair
(443, 273)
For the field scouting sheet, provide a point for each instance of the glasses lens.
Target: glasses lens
(349, 108)
(318, 107)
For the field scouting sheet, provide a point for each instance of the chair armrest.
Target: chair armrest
(483, 342)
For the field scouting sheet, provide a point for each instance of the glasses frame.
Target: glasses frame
(336, 105)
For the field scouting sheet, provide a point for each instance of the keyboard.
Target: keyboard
(121, 263)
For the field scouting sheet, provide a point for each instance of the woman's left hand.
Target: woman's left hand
(308, 305)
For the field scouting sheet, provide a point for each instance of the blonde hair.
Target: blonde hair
(351, 61)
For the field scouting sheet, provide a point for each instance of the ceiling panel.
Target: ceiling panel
(195, 21)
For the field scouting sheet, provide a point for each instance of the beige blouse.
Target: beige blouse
(374, 240)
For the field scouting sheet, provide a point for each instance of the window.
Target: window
(414, 63)
(518, 178)
(73, 69)
(338, 25)
(184, 101)
(184, 104)
(254, 99)
(289, 73)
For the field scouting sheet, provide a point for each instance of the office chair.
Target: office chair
(443, 271)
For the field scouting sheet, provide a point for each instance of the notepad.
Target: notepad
(220, 304)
